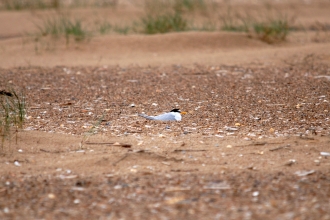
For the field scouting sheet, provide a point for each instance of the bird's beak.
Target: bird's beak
(183, 113)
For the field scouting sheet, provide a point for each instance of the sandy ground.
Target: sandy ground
(253, 145)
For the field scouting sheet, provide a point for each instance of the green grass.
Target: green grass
(108, 3)
(123, 29)
(29, 4)
(172, 16)
(206, 26)
(74, 29)
(234, 23)
(12, 113)
(227, 26)
(53, 4)
(268, 26)
(169, 22)
(104, 27)
(189, 5)
(63, 26)
(272, 31)
(107, 28)
(162, 17)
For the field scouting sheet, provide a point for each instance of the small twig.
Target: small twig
(110, 144)
(181, 150)
(189, 170)
(116, 162)
(306, 138)
(45, 150)
(52, 152)
(280, 147)
(258, 144)
(100, 143)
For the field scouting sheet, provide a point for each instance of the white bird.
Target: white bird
(173, 115)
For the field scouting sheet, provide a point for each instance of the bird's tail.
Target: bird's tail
(146, 116)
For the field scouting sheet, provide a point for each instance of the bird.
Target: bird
(173, 115)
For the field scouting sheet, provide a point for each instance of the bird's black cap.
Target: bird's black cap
(176, 110)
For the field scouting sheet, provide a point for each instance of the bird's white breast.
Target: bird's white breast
(177, 116)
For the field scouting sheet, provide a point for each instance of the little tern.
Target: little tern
(173, 115)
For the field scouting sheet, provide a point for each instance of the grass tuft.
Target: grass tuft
(189, 5)
(169, 22)
(234, 22)
(271, 27)
(124, 29)
(273, 31)
(12, 113)
(63, 26)
(171, 16)
(104, 27)
(75, 29)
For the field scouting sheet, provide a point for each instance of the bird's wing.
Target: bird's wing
(147, 117)
(165, 117)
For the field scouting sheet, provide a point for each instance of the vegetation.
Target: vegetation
(104, 27)
(53, 4)
(167, 16)
(190, 5)
(234, 22)
(270, 27)
(63, 25)
(175, 16)
(92, 131)
(28, 4)
(273, 31)
(170, 22)
(12, 113)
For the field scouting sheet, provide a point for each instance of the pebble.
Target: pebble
(325, 153)
(16, 163)
(51, 196)
(256, 193)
